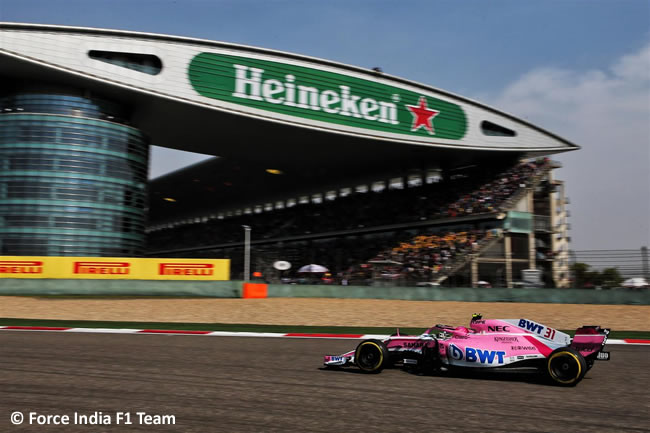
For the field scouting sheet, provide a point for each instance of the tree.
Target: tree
(584, 278)
(610, 278)
(580, 273)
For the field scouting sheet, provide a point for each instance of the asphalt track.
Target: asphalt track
(235, 384)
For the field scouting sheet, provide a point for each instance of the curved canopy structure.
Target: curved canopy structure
(251, 103)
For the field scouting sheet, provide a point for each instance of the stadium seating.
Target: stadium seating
(423, 250)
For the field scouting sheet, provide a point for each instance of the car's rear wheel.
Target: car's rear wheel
(566, 366)
(371, 356)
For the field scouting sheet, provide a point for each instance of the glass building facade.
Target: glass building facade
(73, 176)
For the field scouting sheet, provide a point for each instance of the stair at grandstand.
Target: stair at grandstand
(463, 261)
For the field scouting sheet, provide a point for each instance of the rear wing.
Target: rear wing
(590, 342)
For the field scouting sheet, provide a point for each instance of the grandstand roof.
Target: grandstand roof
(226, 183)
(315, 120)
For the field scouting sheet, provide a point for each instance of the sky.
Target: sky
(579, 68)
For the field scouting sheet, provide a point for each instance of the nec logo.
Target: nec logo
(102, 268)
(499, 328)
(21, 267)
(200, 269)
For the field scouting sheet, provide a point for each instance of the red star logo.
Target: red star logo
(422, 116)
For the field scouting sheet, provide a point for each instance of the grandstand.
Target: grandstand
(456, 229)
(378, 178)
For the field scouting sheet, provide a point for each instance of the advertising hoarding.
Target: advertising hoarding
(125, 268)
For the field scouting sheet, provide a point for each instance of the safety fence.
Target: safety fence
(629, 263)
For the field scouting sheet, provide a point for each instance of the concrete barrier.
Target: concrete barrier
(234, 289)
(468, 294)
(215, 289)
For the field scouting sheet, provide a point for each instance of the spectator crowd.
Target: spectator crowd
(421, 253)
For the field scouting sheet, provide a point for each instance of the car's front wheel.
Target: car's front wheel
(566, 366)
(371, 356)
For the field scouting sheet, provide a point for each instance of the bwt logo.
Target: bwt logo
(201, 269)
(476, 355)
(536, 327)
(531, 326)
(20, 267)
(102, 268)
(455, 352)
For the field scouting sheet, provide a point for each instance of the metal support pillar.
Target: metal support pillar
(247, 253)
(531, 250)
(508, 252)
(474, 265)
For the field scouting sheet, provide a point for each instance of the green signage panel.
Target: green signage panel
(519, 222)
(324, 96)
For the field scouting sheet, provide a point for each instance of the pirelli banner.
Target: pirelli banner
(114, 268)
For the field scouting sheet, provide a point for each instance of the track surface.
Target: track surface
(231, 384)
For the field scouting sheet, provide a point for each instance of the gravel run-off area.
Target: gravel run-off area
(321, 312)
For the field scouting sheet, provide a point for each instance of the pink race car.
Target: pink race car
(493, 344)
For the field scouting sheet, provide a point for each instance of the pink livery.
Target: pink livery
(487, 344)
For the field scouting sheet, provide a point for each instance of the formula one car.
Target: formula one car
(487, 344)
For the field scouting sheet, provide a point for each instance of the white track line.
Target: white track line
(630, 341)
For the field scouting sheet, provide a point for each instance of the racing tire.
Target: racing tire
(565, 366)
(371, 356)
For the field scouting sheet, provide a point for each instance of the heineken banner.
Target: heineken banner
(324, 96)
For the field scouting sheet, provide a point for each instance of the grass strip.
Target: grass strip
(249, 327)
